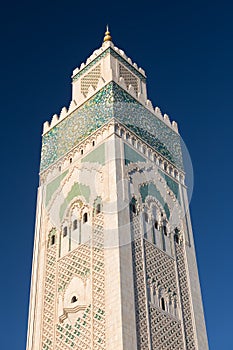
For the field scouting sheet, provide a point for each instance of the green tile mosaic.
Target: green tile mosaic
(131, 156)
(53, 186)
(96, 156)
(111, 101)
(174, 187)
(76, 190)
(151, 190)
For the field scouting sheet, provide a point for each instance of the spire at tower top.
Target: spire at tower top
(107, 35)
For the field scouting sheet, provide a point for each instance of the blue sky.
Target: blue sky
(186, 50)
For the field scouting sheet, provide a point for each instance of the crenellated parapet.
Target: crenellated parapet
(105, 65)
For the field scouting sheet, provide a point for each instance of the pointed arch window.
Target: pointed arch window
(65, 231)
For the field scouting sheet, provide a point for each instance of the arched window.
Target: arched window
(162, 304)
(156, 225)
(93, 143)
(75, 224)
(71, 160)
(74, 299)
(85, 218)
(81, 151)
(52, 239)
(65, 231)
(98, 209)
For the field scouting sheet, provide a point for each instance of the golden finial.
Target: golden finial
(107, 35)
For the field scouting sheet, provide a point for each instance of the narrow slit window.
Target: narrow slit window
(98, 209)
(85, 218)
(165, 230)
(75, 224)
(162, 304)
(53, 240)
(71, 160)
(65, 231)
(134, 208)
(156, 225)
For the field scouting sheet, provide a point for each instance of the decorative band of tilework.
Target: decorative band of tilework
(110, 102)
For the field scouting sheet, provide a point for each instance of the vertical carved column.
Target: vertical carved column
(98, 284)
(139, 285)
(185, 297)
(49, 296)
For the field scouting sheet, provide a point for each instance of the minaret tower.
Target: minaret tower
(114, 264)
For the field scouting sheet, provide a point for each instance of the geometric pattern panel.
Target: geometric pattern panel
(166, 331)
(76, 263)
(49, 299)
(150, 263)
(139, 285)
(75, 326)
(160, 267)
(185, 297)
(78, 335)
(129, 78)
(90, 79)
(98, 284)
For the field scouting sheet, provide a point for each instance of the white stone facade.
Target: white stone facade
(114, 260)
